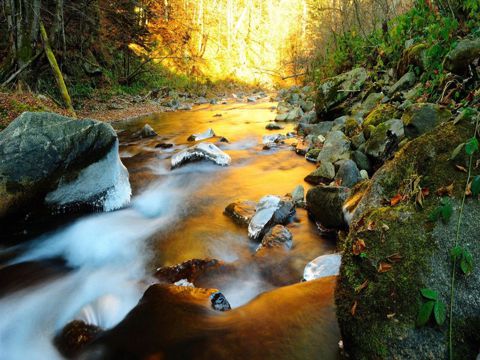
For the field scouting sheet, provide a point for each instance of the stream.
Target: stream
(107, 260)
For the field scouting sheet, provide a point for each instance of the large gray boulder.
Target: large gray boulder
(464, 53)
(348, 174)
(59, 161)
(336, 147)
(421, 118)
(325, 204)
(404, 83)
(332, 92)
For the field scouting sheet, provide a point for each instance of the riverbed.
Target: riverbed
(174, 216)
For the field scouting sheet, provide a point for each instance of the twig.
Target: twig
(27, 64)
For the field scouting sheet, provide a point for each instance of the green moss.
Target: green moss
(380, 114)
(17, 106)
(352, 127)
(387, 307)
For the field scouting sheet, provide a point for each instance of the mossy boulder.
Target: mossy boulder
(325, 203)
(333, 91)
(464, 53)
(380, 114)
(413, 56)
(404, 83)
(384, 138)
(391, 252)
(423, 117)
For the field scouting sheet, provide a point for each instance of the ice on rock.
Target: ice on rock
(209, 133)
(270, 210)
(323, 266)
(104, 184)
(202, 151)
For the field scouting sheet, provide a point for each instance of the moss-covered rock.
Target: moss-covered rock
(462, 55)
(333, 91)
(413, 56)
(391, 252)
(384, 138)
(380, 114)
(421, 118)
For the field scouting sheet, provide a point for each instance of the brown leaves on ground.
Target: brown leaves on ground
(445, 190)
(354, 308)
(384, 267)
(396, 200)
(358, 247)
(361, 287)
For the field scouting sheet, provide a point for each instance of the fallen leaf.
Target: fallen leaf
(385, 227)
(354, 308)
(395, 200)
(461, 168)
(419, 198)
(426, 191)
(445, 190)
(361, 287)
(358, 247)
(394, 257)
(371, 226)
(468, 190)
(384, 267)
(391, 316)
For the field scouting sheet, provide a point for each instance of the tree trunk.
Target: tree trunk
(56, 71)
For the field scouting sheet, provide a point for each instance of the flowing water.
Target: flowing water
(174, 216)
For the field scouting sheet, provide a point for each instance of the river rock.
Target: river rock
(189, 270)
(302, 147)
(421, 118)
(384, 139)
(147, 131)
(241, 211)
(207, 134)
(202, 151)
(464, 53)
(219, 302)
(309, 117)
(62, 162)
(273, 126)
(312, 155)
(322, 266)
(325, 173)
(74, 337)
(201, 101)
(334, 91)
(325, 204)
(278, 235)
(270, 210)
(362, 161)
(400, 259)
(272, 140)
(404, 83)
(298, 195)
(380, 114)
(369, 103)
(348, 174)
(294, 114)
(322, 128)
(336, 147)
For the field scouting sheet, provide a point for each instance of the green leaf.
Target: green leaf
(425, 312)
(466, 264)
(447, 211)
(456, 252)
(435, 214)
(429, 294)
(439, 311)
(457, 150)
(476, 186)
(471, 146)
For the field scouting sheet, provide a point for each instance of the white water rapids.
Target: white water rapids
(108, 253)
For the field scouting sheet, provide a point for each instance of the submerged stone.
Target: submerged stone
(207, 134)
(241, 211)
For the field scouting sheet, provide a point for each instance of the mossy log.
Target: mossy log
(56, 70)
